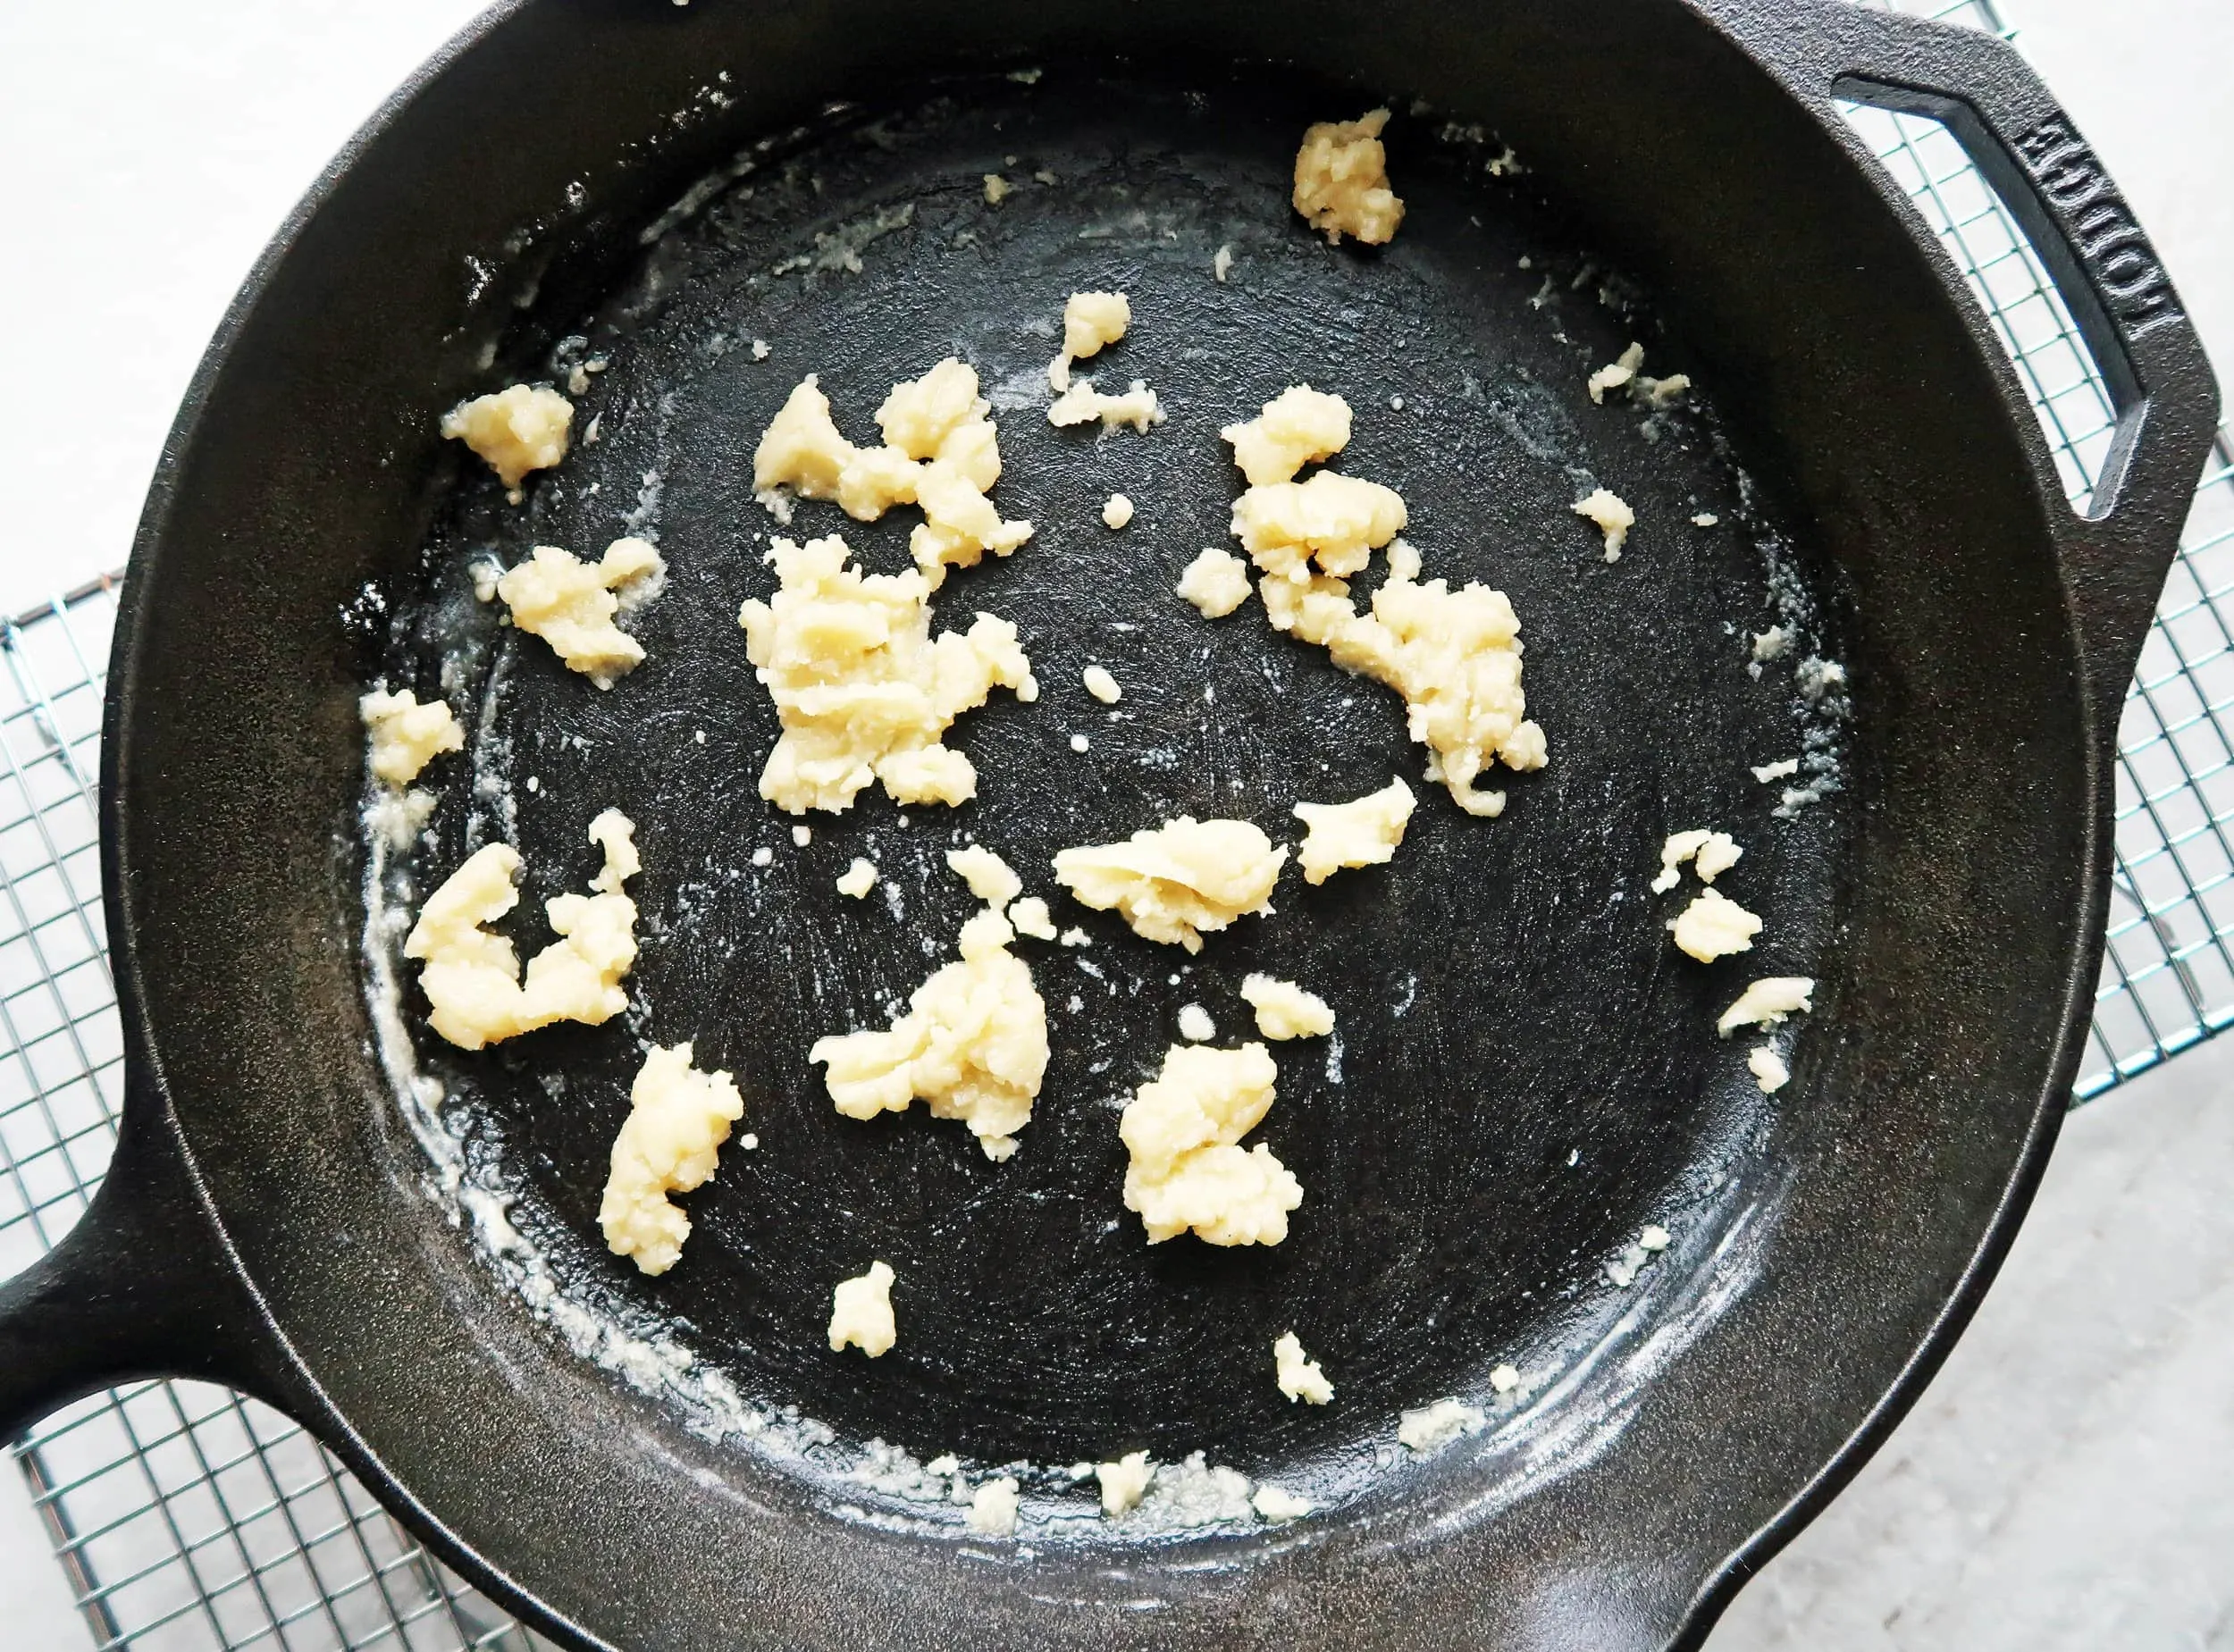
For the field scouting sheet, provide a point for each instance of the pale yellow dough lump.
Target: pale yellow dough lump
(1709, 853)
(973, 1044)
(1299, 426)
(1082, 403)
(1713, 926)
(1090, 322)
(1284, 1010)
(516, 430)
(1342, 180)
(1183, 1129)
(1363, 832)
(1768, 1002)
(1612, 516)
(1217, 582)
(570, 604)
(1300, 1376)
(1454, 655)
(677, 1118)
(988, 877)
(1172, 882)
(1337, 521)
(405, 737)
(858, 879)
(1124, 1482)
(860, 1313)
(471, 977)
(863, 691)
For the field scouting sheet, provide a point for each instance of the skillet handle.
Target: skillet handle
(2114, 557)
(144, 1286)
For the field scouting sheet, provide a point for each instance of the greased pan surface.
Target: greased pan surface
(1946, 896)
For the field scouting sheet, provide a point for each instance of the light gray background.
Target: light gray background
(2063, 1484)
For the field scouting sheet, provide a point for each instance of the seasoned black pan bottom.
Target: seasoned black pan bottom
(1524, 1072)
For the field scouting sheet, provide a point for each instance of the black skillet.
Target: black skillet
(1526, 1075)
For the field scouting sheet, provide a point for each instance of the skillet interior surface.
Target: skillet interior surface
(1524, 1073)
(1939, 896)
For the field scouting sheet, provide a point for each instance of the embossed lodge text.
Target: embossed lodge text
(2101, 225)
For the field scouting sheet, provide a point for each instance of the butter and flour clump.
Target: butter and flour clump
(1363, 832)
(571, 604)
(404, 737)
(1342, 185)
(863, 691)
(1172, 882)
(520, 429)
(472, 976)
(678, 1116)
(1187, 1171)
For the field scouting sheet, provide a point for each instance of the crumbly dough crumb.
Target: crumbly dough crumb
(1342, 180)
(677, 1118)
(1082, 403)
(1284, 1010)
(1505, 1379)
(1363, 832)
(1029, 916)
(1277, 1506)
(1454, 655)
(1187, 1171)
(989, 877)
(858, 879)
(570, 604)
(863, 691)
(1217, 582)
(1768, 1067)
(1101, 686)
(1617, 373)
(1116, 511)
(519, 429)
(1773, 643)
(1705, 519)
(1299, 1375)
(1613, 517)
(1336, 520)
(1710, 854)
(1299, 426)
(472, 976)
(973, 1044)
(993, 1508)
(1171, 882)
(1124, 1483)
(1768, 1002)
(404, 737)
(860, 1313)
(1195, 1024)
(1221, 263)
(996, 189)
(1431, 1428)
(1768, 772)
(1713, 926)
(1090, 322)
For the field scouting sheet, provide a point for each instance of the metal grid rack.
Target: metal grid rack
(187, 1517)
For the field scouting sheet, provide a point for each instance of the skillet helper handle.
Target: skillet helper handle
(2166, 403)
(142, 1287)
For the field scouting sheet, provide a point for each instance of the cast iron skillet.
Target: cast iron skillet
(1550, 1086)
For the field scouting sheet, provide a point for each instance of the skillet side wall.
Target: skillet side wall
(1872, 411)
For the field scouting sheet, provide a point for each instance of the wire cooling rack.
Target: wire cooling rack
(187, 1517)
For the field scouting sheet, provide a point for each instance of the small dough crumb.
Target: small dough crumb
(1705, 519)
(1336, 520)
(1613, 517)
(1172, 882)
(1299, 426)
(1773, 643)
(1710, 853)
(1029, 916)
(1713, 927)
(860, 1313)
(1284, 1010)
(405, 737)
(763, 856)
(1768, 772)
(1616, 374)
(1082, 403)
(1124, 1482)
(1505, 1379)
(1299, 1375)
(1768, 1068)
(1081, 745)
(1766, 1001)
(973, 1044)
(800, 836)
(1187, 1171)
(1277, 1506)
(516, 430)
(1116, 511)
(990, 878)
(570, 604)
(677, 1118)
(1431, 1428)
(759, 349)
(1221, 263)
(993, 1508)
(1217, 582)
(996, 189)
(863, 691)
(858, 879)
(1363, 832)
(1101, 686)
(472, 976)
(1090, 322)
(1195, 1024)
(1342, 180)
(1077, 937)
